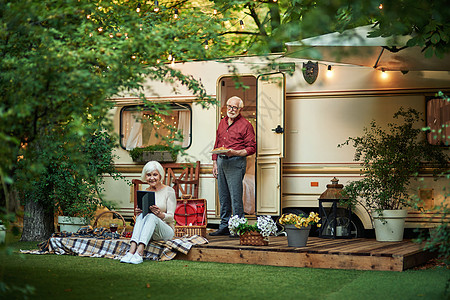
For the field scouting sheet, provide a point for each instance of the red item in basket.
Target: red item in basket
(200, 214)
(186, 214)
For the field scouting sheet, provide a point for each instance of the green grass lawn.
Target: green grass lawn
(71, 277)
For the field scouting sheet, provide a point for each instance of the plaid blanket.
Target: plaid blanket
(77, 244)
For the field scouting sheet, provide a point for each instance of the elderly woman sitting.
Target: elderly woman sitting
(157, 225)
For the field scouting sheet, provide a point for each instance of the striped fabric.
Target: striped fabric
(117, 248)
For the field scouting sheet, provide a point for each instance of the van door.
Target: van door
(270, 142)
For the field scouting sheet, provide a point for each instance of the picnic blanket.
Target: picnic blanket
(88, 243)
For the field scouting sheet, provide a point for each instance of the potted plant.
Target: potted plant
(160, 153)
(390, 158)
(297, 227)
(256, 234)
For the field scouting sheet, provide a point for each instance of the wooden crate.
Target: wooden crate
(190, 217)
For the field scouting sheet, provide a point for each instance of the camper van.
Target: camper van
(301, 111)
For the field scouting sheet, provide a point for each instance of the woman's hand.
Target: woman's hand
(137, 211)
(155, 209)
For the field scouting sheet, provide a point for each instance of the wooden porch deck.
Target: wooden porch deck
(357, 254)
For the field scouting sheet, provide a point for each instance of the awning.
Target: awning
(353, 46)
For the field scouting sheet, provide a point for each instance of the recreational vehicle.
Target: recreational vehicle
(301, 110)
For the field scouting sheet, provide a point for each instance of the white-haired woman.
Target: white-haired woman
(158, 225)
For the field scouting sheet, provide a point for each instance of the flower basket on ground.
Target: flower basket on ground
(297, 227)
(253, 235)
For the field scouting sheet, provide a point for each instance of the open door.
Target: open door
(270, 142)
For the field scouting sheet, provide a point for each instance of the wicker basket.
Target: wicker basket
(197, 217)
(253, 238)
(181, 231)
(114, 213)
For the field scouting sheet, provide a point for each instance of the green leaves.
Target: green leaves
(390, 158)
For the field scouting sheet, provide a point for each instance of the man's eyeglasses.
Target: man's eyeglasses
(232, 107)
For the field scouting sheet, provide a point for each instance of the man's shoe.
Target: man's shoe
(223, 231)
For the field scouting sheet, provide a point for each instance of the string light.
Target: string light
(384, 75)
(156, 9)
(173, 62)
(380, 6)
(242, 24)
(329, 71)
(88, 16)
(206, 45)
(111, 35)
(175, 15)
(138, 9)
(215, 11)
(169, 57)
(100, 29)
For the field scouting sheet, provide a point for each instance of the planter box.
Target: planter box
(71, 224)
(159, 156)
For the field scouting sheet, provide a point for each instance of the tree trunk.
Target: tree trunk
(38, 222)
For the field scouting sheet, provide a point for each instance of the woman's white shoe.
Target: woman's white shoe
(136, 259)
(127, 258)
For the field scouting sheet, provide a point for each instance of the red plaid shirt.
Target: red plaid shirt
(237, 136)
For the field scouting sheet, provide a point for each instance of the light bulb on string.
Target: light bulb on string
(173, 62)
(242, 24)
(175, 15)
(329, 71)
(100, 29)
(88, 16)
(215, 11)
(380, 6)
(138, 9)
(169, 57)
(206, 45)
(156, 9)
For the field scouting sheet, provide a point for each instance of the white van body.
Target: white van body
(293, 167)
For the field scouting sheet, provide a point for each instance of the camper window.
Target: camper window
(141, 126)
(438, 121)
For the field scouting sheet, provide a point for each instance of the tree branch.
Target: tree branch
(240, 32)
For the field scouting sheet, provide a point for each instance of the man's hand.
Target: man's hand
(233, 152)
(214, 169)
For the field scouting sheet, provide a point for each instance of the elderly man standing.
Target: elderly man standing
(236, 134)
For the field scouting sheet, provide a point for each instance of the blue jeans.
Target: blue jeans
(231, 172)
